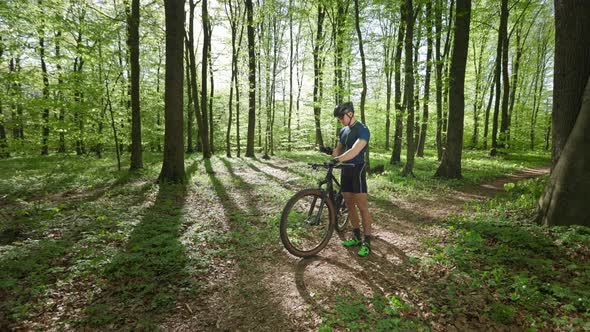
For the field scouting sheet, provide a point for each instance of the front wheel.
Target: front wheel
(307, 222)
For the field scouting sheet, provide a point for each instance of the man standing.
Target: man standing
(352, 144)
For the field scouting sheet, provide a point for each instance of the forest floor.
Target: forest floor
(133, 254)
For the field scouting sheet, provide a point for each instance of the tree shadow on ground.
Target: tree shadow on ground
(247, 304)
(144, 280)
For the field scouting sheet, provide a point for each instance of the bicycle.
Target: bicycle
(311, 215)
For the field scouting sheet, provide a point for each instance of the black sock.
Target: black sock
(356, 233)
(368, 239)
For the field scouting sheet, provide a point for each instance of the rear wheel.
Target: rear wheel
(307, 223)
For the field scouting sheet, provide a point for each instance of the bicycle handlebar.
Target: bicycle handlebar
(328, 165)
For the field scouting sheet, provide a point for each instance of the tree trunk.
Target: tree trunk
(317, 74)
(487, 115)
(189, 104)
(502, 35)
(388, 69)
(4, 153)
(363, 73)
(45, 130)
(399, 112)
(62, 137)
(290, 75)
(251, 80)
(173, 164)
(565, 201)
(193, 77)
(204, 70)
(424, 126)
(571, 68)
(408, 13)
(439, 79)
(450, 166)
(133, 45)
(505, 77)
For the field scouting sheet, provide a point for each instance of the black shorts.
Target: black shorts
(354, 179)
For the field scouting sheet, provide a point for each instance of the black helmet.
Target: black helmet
(343, 108)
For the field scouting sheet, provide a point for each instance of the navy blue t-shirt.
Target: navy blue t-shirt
(349, 135)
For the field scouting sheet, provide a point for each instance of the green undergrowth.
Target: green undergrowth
(124, 250)
(477, 167)
(357, 312)
(525, 274)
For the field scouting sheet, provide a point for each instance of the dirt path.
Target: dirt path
(266, 289)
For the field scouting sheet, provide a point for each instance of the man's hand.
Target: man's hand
(326, 150)
(332, 162)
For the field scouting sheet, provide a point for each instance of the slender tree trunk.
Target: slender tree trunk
(425, 114)
(211, 95)
(133, 45)
(388, 69)
(204, 69)
(317, 73)
(45, 130)
(487, 115)
(505, 77)
(251, 80)
(363, 73)
(193, 77)
(502, 34)
(439, 78)
(399, 108)
(408, 13)
(4, 152)
(189, 104)
(173, 164)
(450, 166)
(113, 124)
(62, 137)
(290, 75)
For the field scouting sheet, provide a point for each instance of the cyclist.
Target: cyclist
(352, 144)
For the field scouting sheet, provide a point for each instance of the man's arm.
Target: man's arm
(338, 150)
(356, 148)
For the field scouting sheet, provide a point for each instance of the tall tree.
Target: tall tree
(251, 80)
(4, 153)
(450, 166)
(193, 76)
(363, 69)
(397, 95)
(173, 164)
(424, 126)
(408, 13)
(388, 58)
(133, 45)
(204, 70)
(502, 36)
(45, 131)
(317, 72)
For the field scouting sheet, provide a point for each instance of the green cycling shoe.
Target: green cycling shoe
(365, 249)
(352, 242)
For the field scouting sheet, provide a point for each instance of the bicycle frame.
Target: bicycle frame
(328, 180)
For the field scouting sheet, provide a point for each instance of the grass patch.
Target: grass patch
(356, 312)
(523, 270)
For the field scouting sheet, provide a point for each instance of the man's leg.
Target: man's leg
(363, 205)
(349, 198)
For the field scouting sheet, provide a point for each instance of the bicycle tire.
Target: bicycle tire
(300, 234)
(341, 214)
